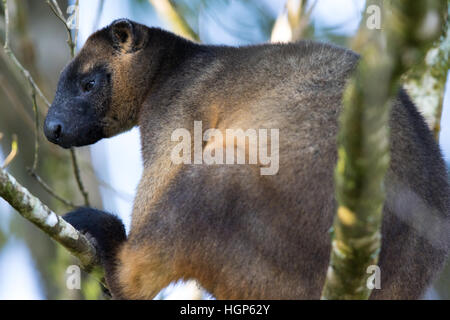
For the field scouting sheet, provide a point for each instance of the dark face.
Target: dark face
(80, 104)
(100, 91)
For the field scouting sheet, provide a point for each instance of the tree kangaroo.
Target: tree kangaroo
(202, 214)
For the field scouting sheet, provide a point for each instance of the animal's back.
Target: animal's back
(243, 235)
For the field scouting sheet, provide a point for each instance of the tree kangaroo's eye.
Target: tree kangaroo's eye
(88, 85)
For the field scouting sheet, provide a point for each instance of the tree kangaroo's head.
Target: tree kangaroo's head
(100, 91)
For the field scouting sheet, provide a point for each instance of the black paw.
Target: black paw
(107, 229)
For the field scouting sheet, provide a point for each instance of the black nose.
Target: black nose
(53, 130)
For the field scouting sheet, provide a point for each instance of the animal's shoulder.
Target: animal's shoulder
(301, 60)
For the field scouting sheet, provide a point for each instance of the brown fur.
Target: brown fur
(240, 234)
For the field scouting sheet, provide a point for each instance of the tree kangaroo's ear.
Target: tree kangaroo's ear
(128, 36)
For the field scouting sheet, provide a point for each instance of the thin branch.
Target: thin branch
(76, 171)
(34, 90)
(59, 14)
(49, 190)
(292, 22)
(77, 21)
(32, 170)
(57, 8)
(32, 209)
(36, 130)
(29, 206)
(13, 58)
(167, 11)
(13, 153)
(72, 46)
(76, 167)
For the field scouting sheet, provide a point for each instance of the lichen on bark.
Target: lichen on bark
(32, 209)
(426, 82)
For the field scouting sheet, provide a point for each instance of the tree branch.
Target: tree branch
(13, 58)
(426, 84)
(36, 130)
(292, 22)
(35, 90)
(32, 209)
(49, 190)
(76, 172)
(12, 154)
(167, 11)
(72, 43)
(363, 147)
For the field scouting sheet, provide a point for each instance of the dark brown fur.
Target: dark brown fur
(240, 234)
